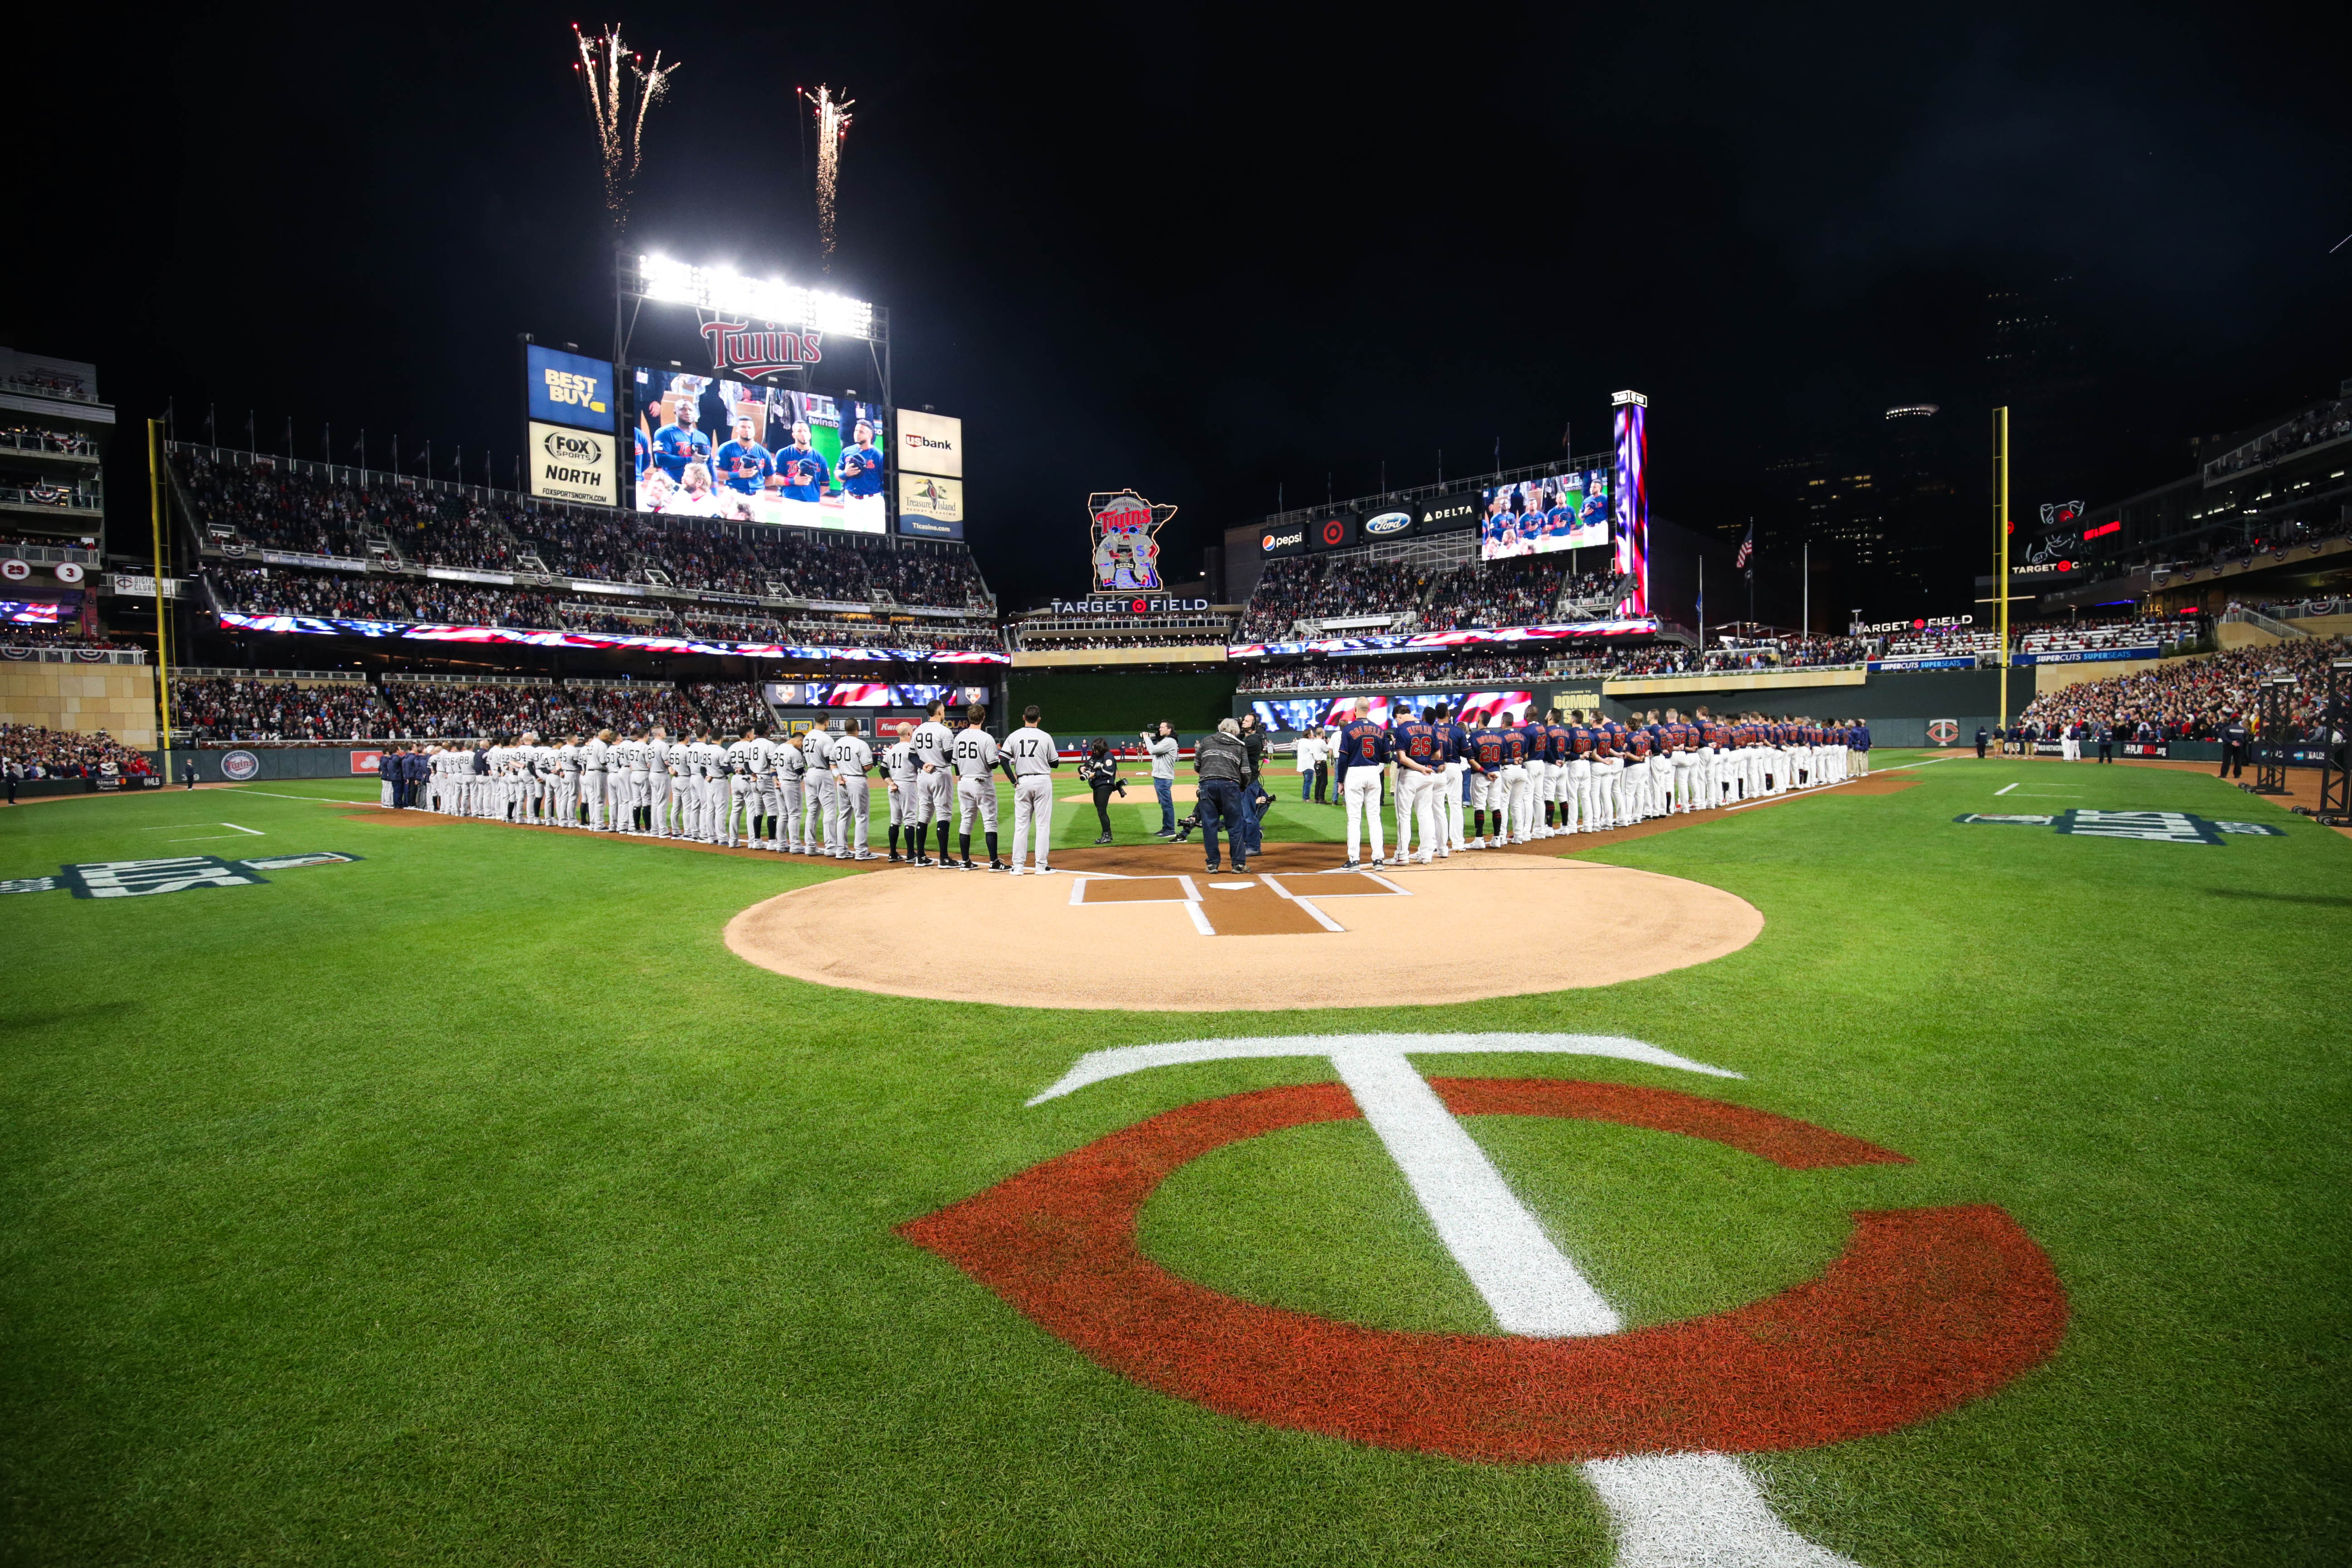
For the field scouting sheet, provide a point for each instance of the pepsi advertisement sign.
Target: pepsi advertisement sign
(1290, 539)
(568, 389)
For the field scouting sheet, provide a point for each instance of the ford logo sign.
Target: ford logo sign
(1388, 522)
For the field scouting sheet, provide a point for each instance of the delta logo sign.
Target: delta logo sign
(739, 349)
(1925, 1311)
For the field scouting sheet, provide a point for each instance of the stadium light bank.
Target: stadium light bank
(725, 290)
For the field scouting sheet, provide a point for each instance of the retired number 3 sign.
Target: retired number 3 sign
(1923, 1310)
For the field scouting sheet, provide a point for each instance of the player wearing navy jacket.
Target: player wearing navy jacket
(1363, 752)
(1486, 759)
(862, 465)
(744, 465)
(1415, 749)
(803, 470)
(1578, 813)
(1453, 744)
(1858, 748)
(678, 443)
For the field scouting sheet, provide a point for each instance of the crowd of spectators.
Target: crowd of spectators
(1314, 587)
(1516, 593)
(216, 709)
(11, 542)
(2312, 428)
(223, 710)
(33, 751)
(1174, 636)
(1522, 590)
(2191, 699)
(1399, 673)
(15, 634)
(282, 507)
(731, 707)
(341, 595)
(41, 438)
(2301, 609)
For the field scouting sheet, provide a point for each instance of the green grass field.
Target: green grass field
(473, 1204)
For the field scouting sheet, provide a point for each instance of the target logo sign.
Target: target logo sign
(1926, 1309)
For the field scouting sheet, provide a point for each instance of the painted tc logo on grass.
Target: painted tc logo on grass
(1925, 1310)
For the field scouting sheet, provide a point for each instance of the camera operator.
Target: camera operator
(1255, 801)
(1223, 762)
(1100, 772)
(1163, 748)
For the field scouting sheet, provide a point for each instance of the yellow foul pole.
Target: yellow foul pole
(163, 660)
(2000, 527)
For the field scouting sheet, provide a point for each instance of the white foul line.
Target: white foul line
(255, 831)
(2005, 789)
(1525, 1281)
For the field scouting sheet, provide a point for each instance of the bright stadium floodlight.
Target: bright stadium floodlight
(728, 293)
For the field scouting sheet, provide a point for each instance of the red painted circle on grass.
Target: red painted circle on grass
(1923, 1310)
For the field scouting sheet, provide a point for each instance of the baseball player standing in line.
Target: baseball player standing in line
(904, 775)
(658, 782)
(594, 759)
(791, 771)
(765, 796)
(1409, 736)
(1419, 775)
(743, 789)
(934, 745)
(1030, 758)
(1576, 798)
(816, 795)
(853, 801)
(975, 762)
(1485, 757)
(1511, 821)
(567, 782)
(1363, 752)
(1450, 741)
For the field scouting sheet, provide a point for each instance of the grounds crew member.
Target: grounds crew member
(1983, 734)
(2235, 738)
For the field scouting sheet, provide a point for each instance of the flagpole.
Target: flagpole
(1702, 607)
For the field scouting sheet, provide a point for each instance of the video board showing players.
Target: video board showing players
(1300, 713)
(1535, 517)
(870, 694)
(707, 446)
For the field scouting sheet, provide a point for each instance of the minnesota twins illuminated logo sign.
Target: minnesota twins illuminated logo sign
(739, 349)
(1127, 556)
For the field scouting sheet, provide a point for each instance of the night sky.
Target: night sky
(1207, 254)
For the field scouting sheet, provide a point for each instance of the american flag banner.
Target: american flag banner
(1746, 549)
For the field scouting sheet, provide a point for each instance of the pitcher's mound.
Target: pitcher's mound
(1174, 938)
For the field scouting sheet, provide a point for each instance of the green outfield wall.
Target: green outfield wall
(1113, 703)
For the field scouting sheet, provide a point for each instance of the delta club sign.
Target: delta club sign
(1926, 1309)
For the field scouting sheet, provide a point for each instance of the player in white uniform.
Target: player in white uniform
(853, 802)
(934, 745)
(904, 773)
(567, 782)
(975, 763)
(816, 792)
(595, 760)
(791, 767)
(657, 782)
(1030, 758)
(742, 791)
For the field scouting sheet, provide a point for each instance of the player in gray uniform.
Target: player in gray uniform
(567, 782)
(934, 745)
(742, 790)
(593, 778)
(975, 763)
(905, 773)
(547, 780)
(817, 794)
(765, 796)
(1031, 759)
(792, 794)
(710, 782)
(658, 782)
(852, 829)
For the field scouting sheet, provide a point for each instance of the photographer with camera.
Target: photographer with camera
(1100, 774)
(1162, 748)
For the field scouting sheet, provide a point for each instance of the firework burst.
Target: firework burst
(621, 90)
(832, 130)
